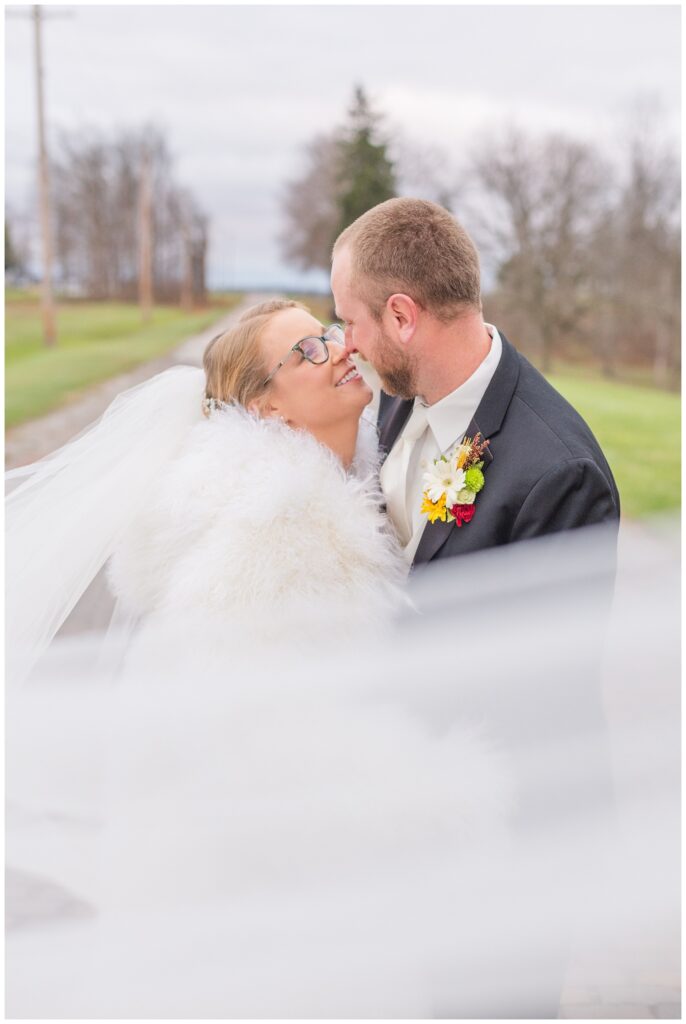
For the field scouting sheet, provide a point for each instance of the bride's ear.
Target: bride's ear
(263, 407)
(255, 407)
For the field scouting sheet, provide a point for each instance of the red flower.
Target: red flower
(462, 513)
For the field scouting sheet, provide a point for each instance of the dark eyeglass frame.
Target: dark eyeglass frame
(311, 337)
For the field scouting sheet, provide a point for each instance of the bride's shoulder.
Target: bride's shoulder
(241, 488)
(239, 432)
(233, 451)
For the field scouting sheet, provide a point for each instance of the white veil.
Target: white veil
(406, 825)
(68, 510)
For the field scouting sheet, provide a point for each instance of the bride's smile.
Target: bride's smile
(310, 382)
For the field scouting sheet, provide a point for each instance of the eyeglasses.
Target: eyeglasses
(313, 348)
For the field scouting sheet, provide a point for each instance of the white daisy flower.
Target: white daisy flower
(444, 478)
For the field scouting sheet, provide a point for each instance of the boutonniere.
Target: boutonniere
(453, 482)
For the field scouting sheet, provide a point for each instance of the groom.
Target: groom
(405, 280)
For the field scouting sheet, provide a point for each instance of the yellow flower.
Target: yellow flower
(462, 453)
(434, 509)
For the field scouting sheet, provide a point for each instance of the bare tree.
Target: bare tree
(643, 256)
(541, 200)
(125, 195)
(98, 223)
(310, 206)
(80, 183)
(17, 243)
(426, 172)
(193, 232)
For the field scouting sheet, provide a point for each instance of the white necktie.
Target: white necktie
(394, 472)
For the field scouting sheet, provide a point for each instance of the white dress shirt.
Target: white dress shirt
(439, 427)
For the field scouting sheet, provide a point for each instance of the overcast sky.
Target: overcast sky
(239, 89)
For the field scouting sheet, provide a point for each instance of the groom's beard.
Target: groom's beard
(395, 369)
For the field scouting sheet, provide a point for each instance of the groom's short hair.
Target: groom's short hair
(415, 247)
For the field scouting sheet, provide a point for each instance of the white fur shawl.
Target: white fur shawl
(254, 518)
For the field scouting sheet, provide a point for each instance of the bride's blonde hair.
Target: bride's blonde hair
(233, 361)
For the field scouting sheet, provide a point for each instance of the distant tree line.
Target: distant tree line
(587, 254)
(583, 254)
(97, 183)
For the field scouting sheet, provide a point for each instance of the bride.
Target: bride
(245, 496)
(262, 816)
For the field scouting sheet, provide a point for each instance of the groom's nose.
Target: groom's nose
(350, 348)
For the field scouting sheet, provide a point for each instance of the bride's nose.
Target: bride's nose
(337, 351)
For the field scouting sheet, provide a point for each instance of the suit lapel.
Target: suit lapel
(487, 421)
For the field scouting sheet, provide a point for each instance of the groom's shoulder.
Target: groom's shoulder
(543, 437)
(541, 414)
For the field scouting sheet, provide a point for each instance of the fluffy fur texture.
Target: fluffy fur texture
(255, 521)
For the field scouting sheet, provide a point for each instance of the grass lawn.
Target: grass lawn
(96, 341)
(637, 426)
(639, 429)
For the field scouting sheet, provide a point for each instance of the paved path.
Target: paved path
(37, 438)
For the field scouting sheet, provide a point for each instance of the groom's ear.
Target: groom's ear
(402, 312)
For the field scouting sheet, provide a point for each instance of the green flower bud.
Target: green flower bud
(474, 479)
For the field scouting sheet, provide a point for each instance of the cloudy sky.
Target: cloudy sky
(240, 89)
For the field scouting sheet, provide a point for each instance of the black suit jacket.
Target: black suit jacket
(544, 470)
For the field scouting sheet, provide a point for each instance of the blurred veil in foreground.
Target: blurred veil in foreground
(432, 823)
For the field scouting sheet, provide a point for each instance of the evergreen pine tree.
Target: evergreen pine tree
(366, 175)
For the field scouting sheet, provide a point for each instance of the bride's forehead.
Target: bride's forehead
(288, 326)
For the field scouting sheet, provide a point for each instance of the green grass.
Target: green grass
(96, 341)
(639, 429)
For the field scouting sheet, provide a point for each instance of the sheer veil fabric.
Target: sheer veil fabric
(411, 824)
(206, 518)
(67, 512)
(355, 808)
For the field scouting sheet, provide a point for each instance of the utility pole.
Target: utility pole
(187, 258)
(187, 278)
(199, 260)
(47, 296)
(145, 296)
